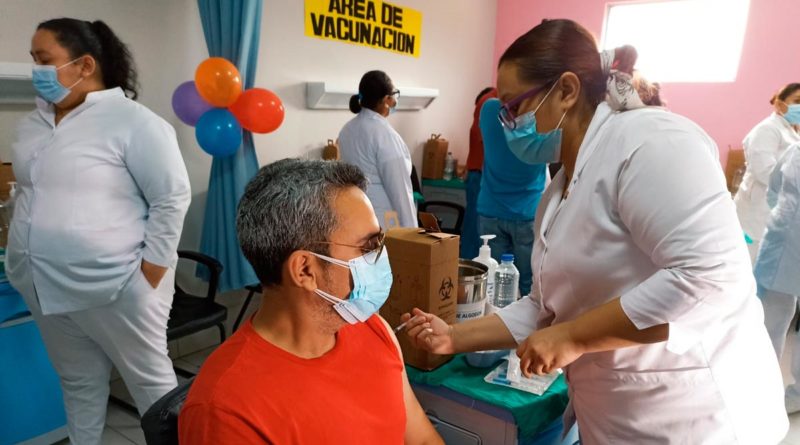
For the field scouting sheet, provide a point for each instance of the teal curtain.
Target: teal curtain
(232, 30)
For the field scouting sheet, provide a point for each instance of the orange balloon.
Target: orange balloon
(218, 82)
(258, 110)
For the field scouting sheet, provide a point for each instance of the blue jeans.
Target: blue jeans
(512, 237)
(470, 238)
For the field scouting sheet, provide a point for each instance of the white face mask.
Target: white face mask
(792, 114)
(46, 83)
(525, 141)
(372, 281)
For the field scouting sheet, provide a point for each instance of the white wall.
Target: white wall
(456, 54)
(167, 43)
(166, 39)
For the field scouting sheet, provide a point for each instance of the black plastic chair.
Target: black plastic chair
(440, 207)
(194, 313)
(160, 422)
(415, 185)
(252, 289)
(797, 325)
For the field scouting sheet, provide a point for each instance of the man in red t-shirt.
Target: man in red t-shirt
(315, 364)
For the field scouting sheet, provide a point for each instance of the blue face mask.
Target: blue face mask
(530, 146)
(45, 81)
(792, 114)
(371, 285)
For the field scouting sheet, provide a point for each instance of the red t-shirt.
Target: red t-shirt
(475, 156)
(250, 391)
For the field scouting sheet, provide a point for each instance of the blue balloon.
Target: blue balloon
(218, 132)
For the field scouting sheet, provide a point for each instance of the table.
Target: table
(454, 190)
(484, 413)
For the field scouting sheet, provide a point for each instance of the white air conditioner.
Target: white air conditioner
(15, 83)
(330, 96)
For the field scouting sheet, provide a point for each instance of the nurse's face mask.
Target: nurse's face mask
(372, 280)
(396, 96)
(46, 83)
(792, 114)
(527, 144)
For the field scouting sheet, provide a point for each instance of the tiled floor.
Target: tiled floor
(122, 427)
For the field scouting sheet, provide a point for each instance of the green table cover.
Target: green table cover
(532, 413)
(455, 183)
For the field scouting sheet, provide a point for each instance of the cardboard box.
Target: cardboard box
(433, 157)
(331, 151)
(425, 272)
(6, 176)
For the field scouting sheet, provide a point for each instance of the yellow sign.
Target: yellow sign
(373, 23)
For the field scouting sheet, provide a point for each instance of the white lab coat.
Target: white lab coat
(648, 219)
(96, 194)
(778, 261)
(762, 148)
(370, 142)
(778, 258)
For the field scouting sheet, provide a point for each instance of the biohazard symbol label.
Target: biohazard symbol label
(446, 289)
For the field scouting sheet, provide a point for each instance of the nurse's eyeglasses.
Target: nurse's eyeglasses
(508, 112)
(374, 245)
(395, 94)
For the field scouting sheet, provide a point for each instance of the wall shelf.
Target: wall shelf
(331, 96)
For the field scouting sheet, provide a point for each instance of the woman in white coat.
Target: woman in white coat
(98, 213)
(642, 286)
(778, 262)
(762, 147)
(370, 142)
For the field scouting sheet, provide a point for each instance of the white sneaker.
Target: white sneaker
(792, 404)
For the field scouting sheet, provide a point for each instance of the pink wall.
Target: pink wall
(727, 111)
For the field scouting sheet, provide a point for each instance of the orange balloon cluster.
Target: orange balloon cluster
(218, 109)
(218, 83)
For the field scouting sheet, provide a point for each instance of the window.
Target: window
(680, 40)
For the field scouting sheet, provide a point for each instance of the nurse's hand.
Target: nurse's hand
(548, 349)
(428, 332)
(153, 273)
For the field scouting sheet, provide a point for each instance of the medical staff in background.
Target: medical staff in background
(778, 262)
(101, 197)
(762, 147)
(369, 142)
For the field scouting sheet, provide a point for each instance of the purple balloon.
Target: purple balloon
(187, 103)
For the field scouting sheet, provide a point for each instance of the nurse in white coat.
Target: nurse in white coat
(762, 147)
(370, 142)
(778, 262)
(97, 218)
(642, 285)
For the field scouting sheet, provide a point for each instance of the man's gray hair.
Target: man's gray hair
(288, 206)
